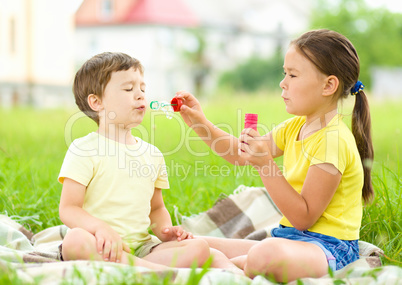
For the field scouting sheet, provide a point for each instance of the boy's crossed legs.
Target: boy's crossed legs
(79, 244)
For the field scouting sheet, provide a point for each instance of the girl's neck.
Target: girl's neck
(120, 135)
(315, 123)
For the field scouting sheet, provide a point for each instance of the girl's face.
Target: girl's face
(303, 85)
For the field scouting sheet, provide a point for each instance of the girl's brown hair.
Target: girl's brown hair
(95, 74)
(333, 54)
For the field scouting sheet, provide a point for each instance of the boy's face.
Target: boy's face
(123, 100)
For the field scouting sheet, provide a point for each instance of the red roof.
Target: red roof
(170, 12)
(165, 12)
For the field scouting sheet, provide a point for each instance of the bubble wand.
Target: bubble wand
(174, 105)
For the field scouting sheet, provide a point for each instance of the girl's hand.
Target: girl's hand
(175, 233)
(191, 110)
(109, 244)
(254, 148)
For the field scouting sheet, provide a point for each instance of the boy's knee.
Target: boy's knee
(77, 244)
(199, 249)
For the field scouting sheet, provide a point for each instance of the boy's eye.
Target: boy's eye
(128, 90)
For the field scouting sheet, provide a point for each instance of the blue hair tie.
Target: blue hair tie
(357, 88)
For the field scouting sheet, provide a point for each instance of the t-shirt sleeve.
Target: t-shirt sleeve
(330, 149)
(162, 180)
(77, 165)
(279, 134)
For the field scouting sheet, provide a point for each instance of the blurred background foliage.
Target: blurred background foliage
(376, 34)
(254, 74)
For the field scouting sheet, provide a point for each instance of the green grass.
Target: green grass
(33, 144)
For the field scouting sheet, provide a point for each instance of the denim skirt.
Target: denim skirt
(339, 253)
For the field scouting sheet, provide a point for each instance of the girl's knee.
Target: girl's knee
(267, 258)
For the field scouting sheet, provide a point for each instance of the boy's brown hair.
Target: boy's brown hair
(94, 75)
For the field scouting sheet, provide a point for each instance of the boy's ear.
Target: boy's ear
(95, 102)
(331, 85)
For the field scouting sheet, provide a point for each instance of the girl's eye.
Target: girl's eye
(291, 75)
(128, 90)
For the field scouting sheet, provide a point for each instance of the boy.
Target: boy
(112, 180)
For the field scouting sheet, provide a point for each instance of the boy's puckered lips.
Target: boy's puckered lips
(140, 108)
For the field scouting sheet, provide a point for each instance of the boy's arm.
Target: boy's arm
(161, 223)
(70, 208)
(109, 243)
(221, 142)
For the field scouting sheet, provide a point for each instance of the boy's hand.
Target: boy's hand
(109, 244)
(175, 233)
(191, 110)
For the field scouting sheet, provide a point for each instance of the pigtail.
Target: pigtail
(361, 129)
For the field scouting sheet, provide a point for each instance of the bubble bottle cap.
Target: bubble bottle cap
(167, 108)
(250, 121)
(176, 103)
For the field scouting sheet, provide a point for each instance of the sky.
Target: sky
(75, 4)
(392, 5)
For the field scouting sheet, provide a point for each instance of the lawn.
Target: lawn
(33, 144)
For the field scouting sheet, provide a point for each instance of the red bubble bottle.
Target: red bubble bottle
(250, 121)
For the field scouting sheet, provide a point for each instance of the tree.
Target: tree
(376, 33)
(254, 74)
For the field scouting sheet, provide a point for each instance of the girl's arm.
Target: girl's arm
(109, 243)
(224, 144)
(161, 223)
(302, 210)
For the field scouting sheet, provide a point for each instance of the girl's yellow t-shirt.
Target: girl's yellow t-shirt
(334, 144)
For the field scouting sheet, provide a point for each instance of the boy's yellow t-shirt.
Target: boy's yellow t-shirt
(120, 181)
(334, 144)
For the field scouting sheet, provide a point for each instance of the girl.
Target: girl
(326, 167)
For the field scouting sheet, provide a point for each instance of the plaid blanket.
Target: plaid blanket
(247, 213)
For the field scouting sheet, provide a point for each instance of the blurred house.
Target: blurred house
(238, 30)
(183, 44)
(36, 54)
(153, 31)
(383, 81)
(186, 44)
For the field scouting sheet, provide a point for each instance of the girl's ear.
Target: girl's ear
(331, 85)
(95, 102)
